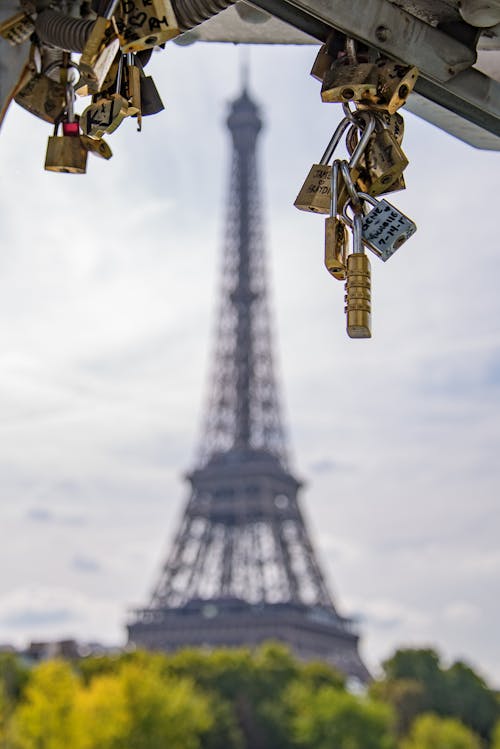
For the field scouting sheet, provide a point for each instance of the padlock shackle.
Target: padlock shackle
(364, 139)
(334, 141)
(351, 187)
(357, 234)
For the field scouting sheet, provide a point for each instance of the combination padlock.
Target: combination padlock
(358, 308)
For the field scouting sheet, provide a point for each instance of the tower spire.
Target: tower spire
(243, 410)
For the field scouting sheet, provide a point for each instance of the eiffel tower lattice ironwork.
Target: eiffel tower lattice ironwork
(242, 568)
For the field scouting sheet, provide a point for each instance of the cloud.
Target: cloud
(85, 564)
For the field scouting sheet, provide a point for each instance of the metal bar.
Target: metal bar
(383, 25)
(466, 105)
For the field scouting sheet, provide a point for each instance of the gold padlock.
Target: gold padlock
(104, 115)
(348, 81)
(133, 86)
(315, 193)
(43, 97)
(98, 147)
(17, 29)
(358, 285)
(392, 122)
(358, 296)
(336, 244)
(385, 163)
(395, 83)
(65, 154)
(145, 23)
(97, 57)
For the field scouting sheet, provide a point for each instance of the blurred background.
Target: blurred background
(108, 285)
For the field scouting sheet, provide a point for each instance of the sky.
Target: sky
(107, 309)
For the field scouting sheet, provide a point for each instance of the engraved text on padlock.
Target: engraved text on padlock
(385, 229)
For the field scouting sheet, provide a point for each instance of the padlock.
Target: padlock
(106, 113)
(43, 97)
(145, 23)
(336, 234)
(315, 193)
(97, 147)
(348, 81)
(395, 83)
(322, 63)
(151, 102)
(358, 287)
(133, 87)
(385, 162)
(384, 228)
(17, 29)
(66, 153)
(394, 123)
(99, 53)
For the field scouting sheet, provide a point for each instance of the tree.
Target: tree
(328, 718)
(432, 732)
(422, 666)
(495, 739)
(45, 718)
(406, 697)
(470, 699)
(138, 708)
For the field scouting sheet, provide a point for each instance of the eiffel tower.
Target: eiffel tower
(242, 568)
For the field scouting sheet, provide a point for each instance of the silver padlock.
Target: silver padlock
(385, 228)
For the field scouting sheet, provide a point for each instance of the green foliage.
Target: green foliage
(495, 740)
(45, 717)
(415, 683)
(237, 699)
(407, 698)
(13, 676)
(139, 709)
(470, 699)
(432, 732)
(328, 718)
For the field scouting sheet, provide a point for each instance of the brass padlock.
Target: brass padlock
(97, 147)
(145, 23)
(358, 287)
(97, 57)
(392, 122)
(358, 296)
(133, 88)
(104, 115)
(66, 154)
(385, 163)
(43, 97)
(315, 193)
(336, 245)
(17, 28)
(395, 83)
(348, 81)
